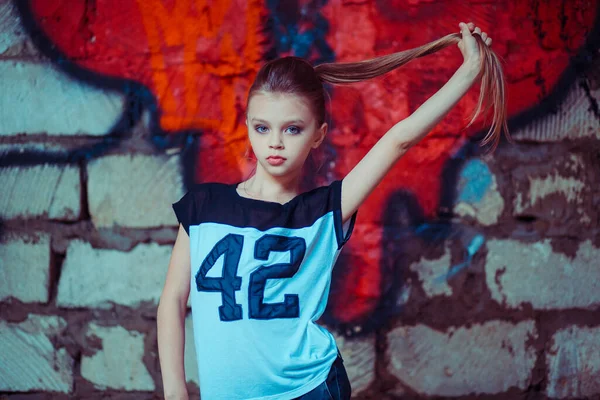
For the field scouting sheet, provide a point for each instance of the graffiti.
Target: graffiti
(527, 36)
(189, 65)
(476, 179)
(471, 250)
(300, 29)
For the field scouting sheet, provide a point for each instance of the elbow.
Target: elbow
(169, 303)
(404, 136)
(403, 145)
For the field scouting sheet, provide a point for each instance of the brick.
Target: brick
(573, 363)
(483, 359)
(533, 273)
(432, 274)
(14, 40)
(118, 364)
(34, 148)
(477, 194)
(359, 360)
(28, 359)
(97, 278)
(134, 190)
(53, 102)
(25, 269)
(570, 187)
(50, 191)
(574, 119)
(559, 192)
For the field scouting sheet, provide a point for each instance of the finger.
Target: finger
(464, 29)
(488, 41)
(477, 31)
(471, 26)
(484, 36)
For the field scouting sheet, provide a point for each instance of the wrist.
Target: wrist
(471, 69)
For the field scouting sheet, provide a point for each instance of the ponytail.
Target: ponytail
(492, 90)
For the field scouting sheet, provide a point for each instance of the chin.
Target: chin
(277, 170)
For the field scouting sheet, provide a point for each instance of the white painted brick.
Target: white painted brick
(28, 359)
(53, 103)
(477, 194)
(33, 147)
(97, 278)
(533, 273)
(540, 187)
(575, 119)
(432, 274)
(559, 192)
(359, 360)
(25, 269)
(573, 363)
(13, 40)
(134, 190)
(483, 359)
(53, 191)
(118, 365)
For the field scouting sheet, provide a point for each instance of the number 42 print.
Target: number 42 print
(231, 248)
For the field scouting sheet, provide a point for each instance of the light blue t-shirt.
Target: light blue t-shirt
(260, 278)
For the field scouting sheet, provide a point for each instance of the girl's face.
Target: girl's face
(282, 130)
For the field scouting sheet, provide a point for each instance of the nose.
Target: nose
(275, 141)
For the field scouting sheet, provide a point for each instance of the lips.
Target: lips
(275, 160)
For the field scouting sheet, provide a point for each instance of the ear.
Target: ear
(321, 133)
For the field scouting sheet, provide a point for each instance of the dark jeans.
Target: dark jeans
(335, 387)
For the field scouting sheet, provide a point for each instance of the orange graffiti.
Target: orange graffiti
(203, 59)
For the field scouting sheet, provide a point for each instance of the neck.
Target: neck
(267, 186)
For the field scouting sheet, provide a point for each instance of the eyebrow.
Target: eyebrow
(293, 121)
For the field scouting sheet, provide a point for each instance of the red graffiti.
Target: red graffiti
(199, 57)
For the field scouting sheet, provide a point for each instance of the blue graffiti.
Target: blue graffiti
(474, 246)
(300, 29)
(475, 180)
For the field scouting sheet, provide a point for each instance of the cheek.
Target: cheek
(250, 146)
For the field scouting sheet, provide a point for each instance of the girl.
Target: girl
(259, 255)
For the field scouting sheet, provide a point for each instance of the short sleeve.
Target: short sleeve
(343, 231)
(188, 209)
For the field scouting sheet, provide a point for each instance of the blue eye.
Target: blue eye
(294, 130)
(259, 127)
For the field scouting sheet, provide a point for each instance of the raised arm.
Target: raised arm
(367, 174)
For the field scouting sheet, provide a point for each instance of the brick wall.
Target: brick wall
(493, 294)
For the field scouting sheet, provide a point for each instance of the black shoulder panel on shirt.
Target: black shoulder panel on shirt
(223, 205)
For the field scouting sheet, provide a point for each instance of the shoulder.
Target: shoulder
(198, 201)
(199, 194)
(324, 198)
(206, 189)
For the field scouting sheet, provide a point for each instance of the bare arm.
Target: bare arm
(367, 174)
(398, 140)
(171, 319)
